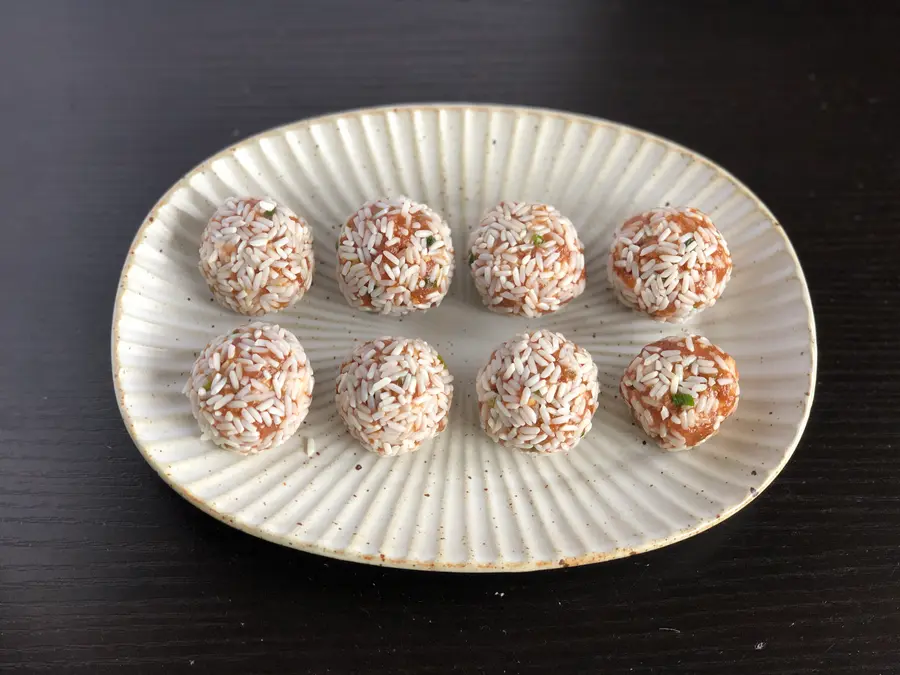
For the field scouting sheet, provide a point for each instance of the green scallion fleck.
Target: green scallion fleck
(689, 241)
(429, 241)
(683, 400)
(537, 240)
(471, 258)
(269, 214)
(441, 359)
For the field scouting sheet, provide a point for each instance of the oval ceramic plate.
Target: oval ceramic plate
(461, 502)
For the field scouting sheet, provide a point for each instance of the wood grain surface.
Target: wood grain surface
(103, 569)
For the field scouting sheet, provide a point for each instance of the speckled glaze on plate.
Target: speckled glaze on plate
(462, 503)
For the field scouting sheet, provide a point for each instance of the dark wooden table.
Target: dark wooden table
(103, 569)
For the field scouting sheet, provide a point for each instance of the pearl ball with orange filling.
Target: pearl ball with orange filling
(394, 394)
(526, 259)
(538, 393)
(250, 389)
(669, 263)
(680, 390)
(394, 256)
(256, 256)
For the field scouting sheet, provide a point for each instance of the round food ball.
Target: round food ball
(256, 256)
(393, 394)
(394, 256)
(526, 259)
(251, 388)
(680, 390)
(669, 263)
(538, 393)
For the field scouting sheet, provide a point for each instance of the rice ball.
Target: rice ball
(669, 263)
(526, 259)
(538, 393)
(256, 256)
(394, 256)
(680, 390)
(251, 388)
(393, 394)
